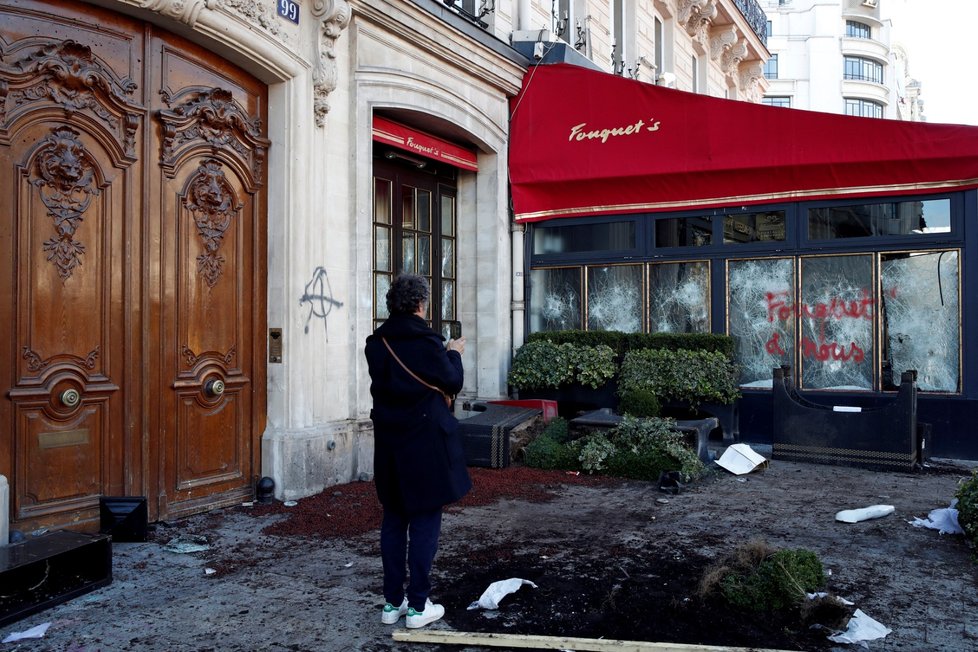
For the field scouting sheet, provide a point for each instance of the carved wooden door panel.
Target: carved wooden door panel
(131, 267)
(69, 134)
(211, 292)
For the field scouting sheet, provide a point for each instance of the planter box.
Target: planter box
(485, 436)
(45, 571)
(573, 400)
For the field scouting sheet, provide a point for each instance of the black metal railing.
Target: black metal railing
(755, 16)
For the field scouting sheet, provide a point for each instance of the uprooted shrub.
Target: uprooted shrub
(551, 450)
(967, 495)
(759, 578)
(640, 449)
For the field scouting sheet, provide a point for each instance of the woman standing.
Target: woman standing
(419, 465)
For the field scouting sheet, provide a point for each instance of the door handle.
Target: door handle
(214, 388)
(70, 397)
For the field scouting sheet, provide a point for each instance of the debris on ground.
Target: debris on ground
(864, 513)
(740, 459)
(945, 520)
(491, 597)
(34, 632)
(861, 628)
(187, 543)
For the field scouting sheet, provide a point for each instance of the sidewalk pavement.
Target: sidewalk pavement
(247, 591)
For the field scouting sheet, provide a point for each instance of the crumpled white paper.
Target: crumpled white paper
(861, 628)
(33, 632)
(945, 520)
(497, 591)
(864, 513)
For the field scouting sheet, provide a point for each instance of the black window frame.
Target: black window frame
(856, 29)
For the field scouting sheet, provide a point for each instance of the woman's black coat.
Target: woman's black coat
(418, 459)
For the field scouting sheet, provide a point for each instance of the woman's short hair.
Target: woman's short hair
(407, 293)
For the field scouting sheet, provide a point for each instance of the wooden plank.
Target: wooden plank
(532, 641)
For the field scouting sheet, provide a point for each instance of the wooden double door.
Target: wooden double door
(132, 273)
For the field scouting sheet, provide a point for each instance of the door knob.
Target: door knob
(70, 398)
(214, 388)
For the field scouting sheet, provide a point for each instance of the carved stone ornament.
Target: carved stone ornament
(751, 75)
(732, 57)
(212, 202)
(186, 11)
(64, 174)
(334, 16)
(696, 16)
(721, 40)
(69, 75)
(212, 116)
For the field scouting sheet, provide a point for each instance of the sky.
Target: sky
(938, 36)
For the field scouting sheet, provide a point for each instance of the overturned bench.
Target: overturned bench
(885, 438)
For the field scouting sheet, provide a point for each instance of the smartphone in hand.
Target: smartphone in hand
(455, 330)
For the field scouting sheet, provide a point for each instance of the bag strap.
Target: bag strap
(412, 374)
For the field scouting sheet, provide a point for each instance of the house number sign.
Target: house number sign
(289, 9)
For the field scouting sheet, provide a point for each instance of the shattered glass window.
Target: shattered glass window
(679, 297)
(921, 317)
(614, 298)
(555, 299)
(837, 313)
(758, 291)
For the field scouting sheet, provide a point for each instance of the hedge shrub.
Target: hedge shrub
(622, 343)
(693, 377)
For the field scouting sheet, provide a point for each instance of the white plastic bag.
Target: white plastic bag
(497, 591)
(945, 520)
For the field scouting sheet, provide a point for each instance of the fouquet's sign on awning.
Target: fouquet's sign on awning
(585, 143)
(423, 144)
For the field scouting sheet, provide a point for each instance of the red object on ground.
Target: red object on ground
(548, 408)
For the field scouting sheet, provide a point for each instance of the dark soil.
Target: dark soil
(618, 559)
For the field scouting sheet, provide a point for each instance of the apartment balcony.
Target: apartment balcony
(866, 48)
(866, 90)
(754, 15)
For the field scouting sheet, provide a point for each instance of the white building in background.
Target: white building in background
(836, 56)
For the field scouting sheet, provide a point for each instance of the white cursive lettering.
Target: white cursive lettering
(580, 132)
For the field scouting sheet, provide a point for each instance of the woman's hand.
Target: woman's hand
(457, 345)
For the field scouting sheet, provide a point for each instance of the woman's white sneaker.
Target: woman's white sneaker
(391, 614)
(431, 613)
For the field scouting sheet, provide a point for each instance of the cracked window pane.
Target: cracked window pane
(921, 315)
(555, 299)
(837, 316)
(764, 336)
(679, 297)
(614, 298)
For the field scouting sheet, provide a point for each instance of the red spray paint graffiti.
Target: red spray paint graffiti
(780, 309)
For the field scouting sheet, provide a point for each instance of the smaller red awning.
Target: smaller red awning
(422, 144)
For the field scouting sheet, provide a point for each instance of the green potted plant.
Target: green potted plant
(576, 376)
(687, 383)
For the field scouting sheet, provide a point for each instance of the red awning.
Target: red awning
(589, 143)
(422, 144)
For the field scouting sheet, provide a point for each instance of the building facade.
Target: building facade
(837, 57)
(205, 200)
